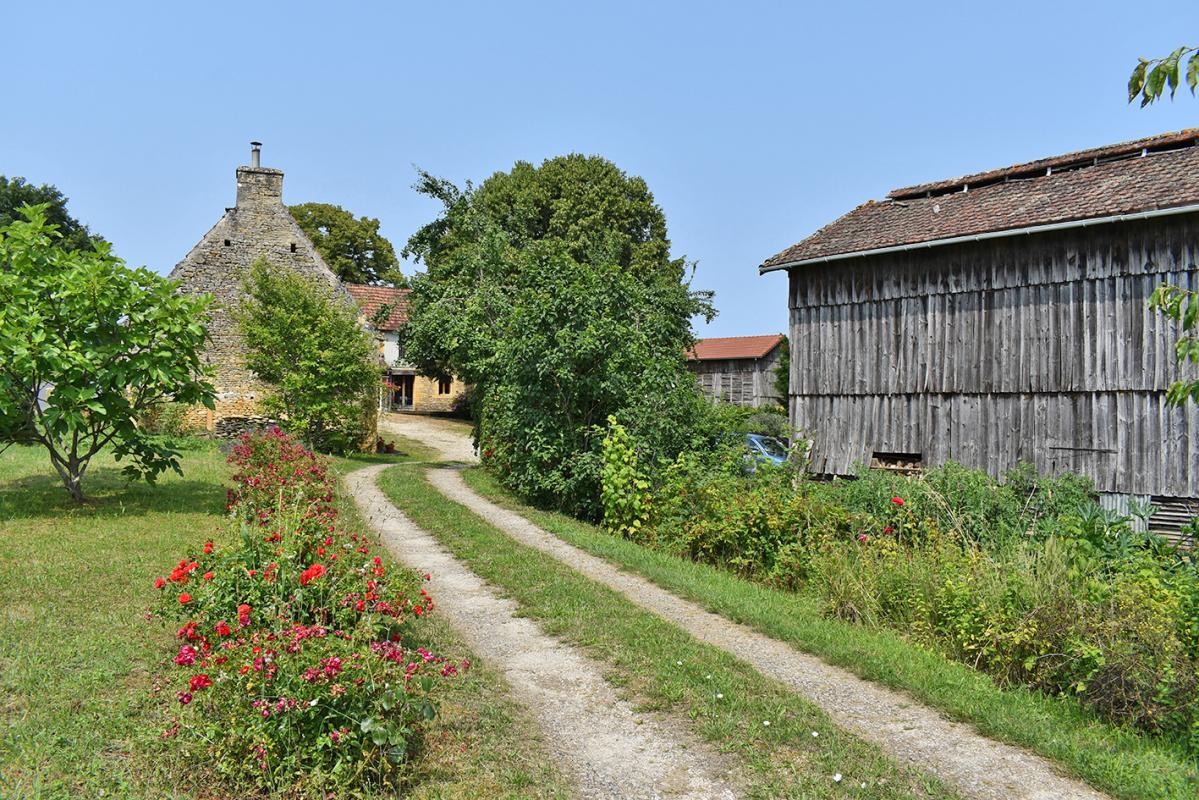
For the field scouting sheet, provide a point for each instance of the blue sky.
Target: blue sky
(753, 123)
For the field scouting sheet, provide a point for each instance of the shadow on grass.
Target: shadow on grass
(109, 494)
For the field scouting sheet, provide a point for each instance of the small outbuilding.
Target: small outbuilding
(1002, 317)
(738, 369)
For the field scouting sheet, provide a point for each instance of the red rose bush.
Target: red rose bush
(296, 658)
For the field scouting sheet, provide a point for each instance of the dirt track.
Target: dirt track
(977, 766)
(611, 751)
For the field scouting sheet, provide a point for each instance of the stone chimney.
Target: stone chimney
(258, 186)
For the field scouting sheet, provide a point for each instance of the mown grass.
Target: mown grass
(661, 668)
(1117, 760)
(76, 653)
(80, 718)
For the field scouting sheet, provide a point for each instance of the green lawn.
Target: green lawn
(78, 657)
(1117, 760)
(76, 653)
(659, 667)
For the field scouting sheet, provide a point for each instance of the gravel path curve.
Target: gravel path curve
(453, 445)
(611, 751)
(979, 767)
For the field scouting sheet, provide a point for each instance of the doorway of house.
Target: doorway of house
(401, 394)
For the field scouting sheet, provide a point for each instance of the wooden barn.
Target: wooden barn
(1002, 317)
(737, 369)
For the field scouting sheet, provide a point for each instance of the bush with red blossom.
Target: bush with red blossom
(296, 651)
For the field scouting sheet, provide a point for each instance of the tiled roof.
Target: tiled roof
(1145, 175)
(370, 298)
(734, 347)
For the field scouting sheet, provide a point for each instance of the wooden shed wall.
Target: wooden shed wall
(1033, 348)
(740, 381)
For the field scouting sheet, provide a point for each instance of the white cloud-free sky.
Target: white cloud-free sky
(753, 123)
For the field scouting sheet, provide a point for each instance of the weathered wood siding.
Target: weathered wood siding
(740, 381)
(1033, 348)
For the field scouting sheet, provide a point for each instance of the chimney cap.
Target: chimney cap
(255, 144)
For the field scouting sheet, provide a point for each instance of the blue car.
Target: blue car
(765, 449)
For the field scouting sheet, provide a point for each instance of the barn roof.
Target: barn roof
(733, 347)
(371, 298)
(1146, 175)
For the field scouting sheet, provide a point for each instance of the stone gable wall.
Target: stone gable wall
(259, 226)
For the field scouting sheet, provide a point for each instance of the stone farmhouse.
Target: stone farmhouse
(404, 389)
(737, 369)
(260, 226)
(1002, 317)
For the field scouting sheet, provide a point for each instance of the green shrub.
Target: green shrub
(1025, 579)
(624, 489)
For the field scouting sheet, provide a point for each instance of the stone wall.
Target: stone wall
(259, 226)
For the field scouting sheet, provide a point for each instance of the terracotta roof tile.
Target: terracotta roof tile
(1144, 175)
(733, 347)
(370, 298)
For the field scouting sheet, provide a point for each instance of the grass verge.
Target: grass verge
(1114, 759)
(767, 729)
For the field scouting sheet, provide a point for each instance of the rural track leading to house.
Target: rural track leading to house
(955, 752)
(611, 751)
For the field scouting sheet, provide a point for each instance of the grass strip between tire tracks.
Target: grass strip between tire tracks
(759, 722)
(1119, 761)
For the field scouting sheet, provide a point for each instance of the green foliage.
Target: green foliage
(782, 372)
(86, 346)
(16, 193)
(1024, 579)
(306, 344)
(1181, 305)
(1151, 77)
(351, 246)
(624, 488)
(551, 289)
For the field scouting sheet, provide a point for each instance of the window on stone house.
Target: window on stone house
(443, 385)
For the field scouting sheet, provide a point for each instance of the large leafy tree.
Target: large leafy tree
(553, 291)
(86, 346)
(351, 246)
(305, 342)
(16, 193)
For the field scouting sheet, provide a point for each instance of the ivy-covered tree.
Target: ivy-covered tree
(351, 246)
(305, 343)
(16, 193)
(552, 290)
(87, 345)
(782, 372)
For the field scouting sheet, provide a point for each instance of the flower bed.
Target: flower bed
(295, 660)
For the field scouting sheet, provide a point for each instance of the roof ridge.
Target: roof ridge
(1173, 140)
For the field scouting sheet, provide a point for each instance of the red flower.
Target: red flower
(417, 610)
(897, 500)
(185, 598)
(312, 573)
(186, 655)
(207, 576)
(222, 628)
(159, 582)
(888, 529)
(207, 547)
(184, 698)
(863, 538)
(199, 682)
